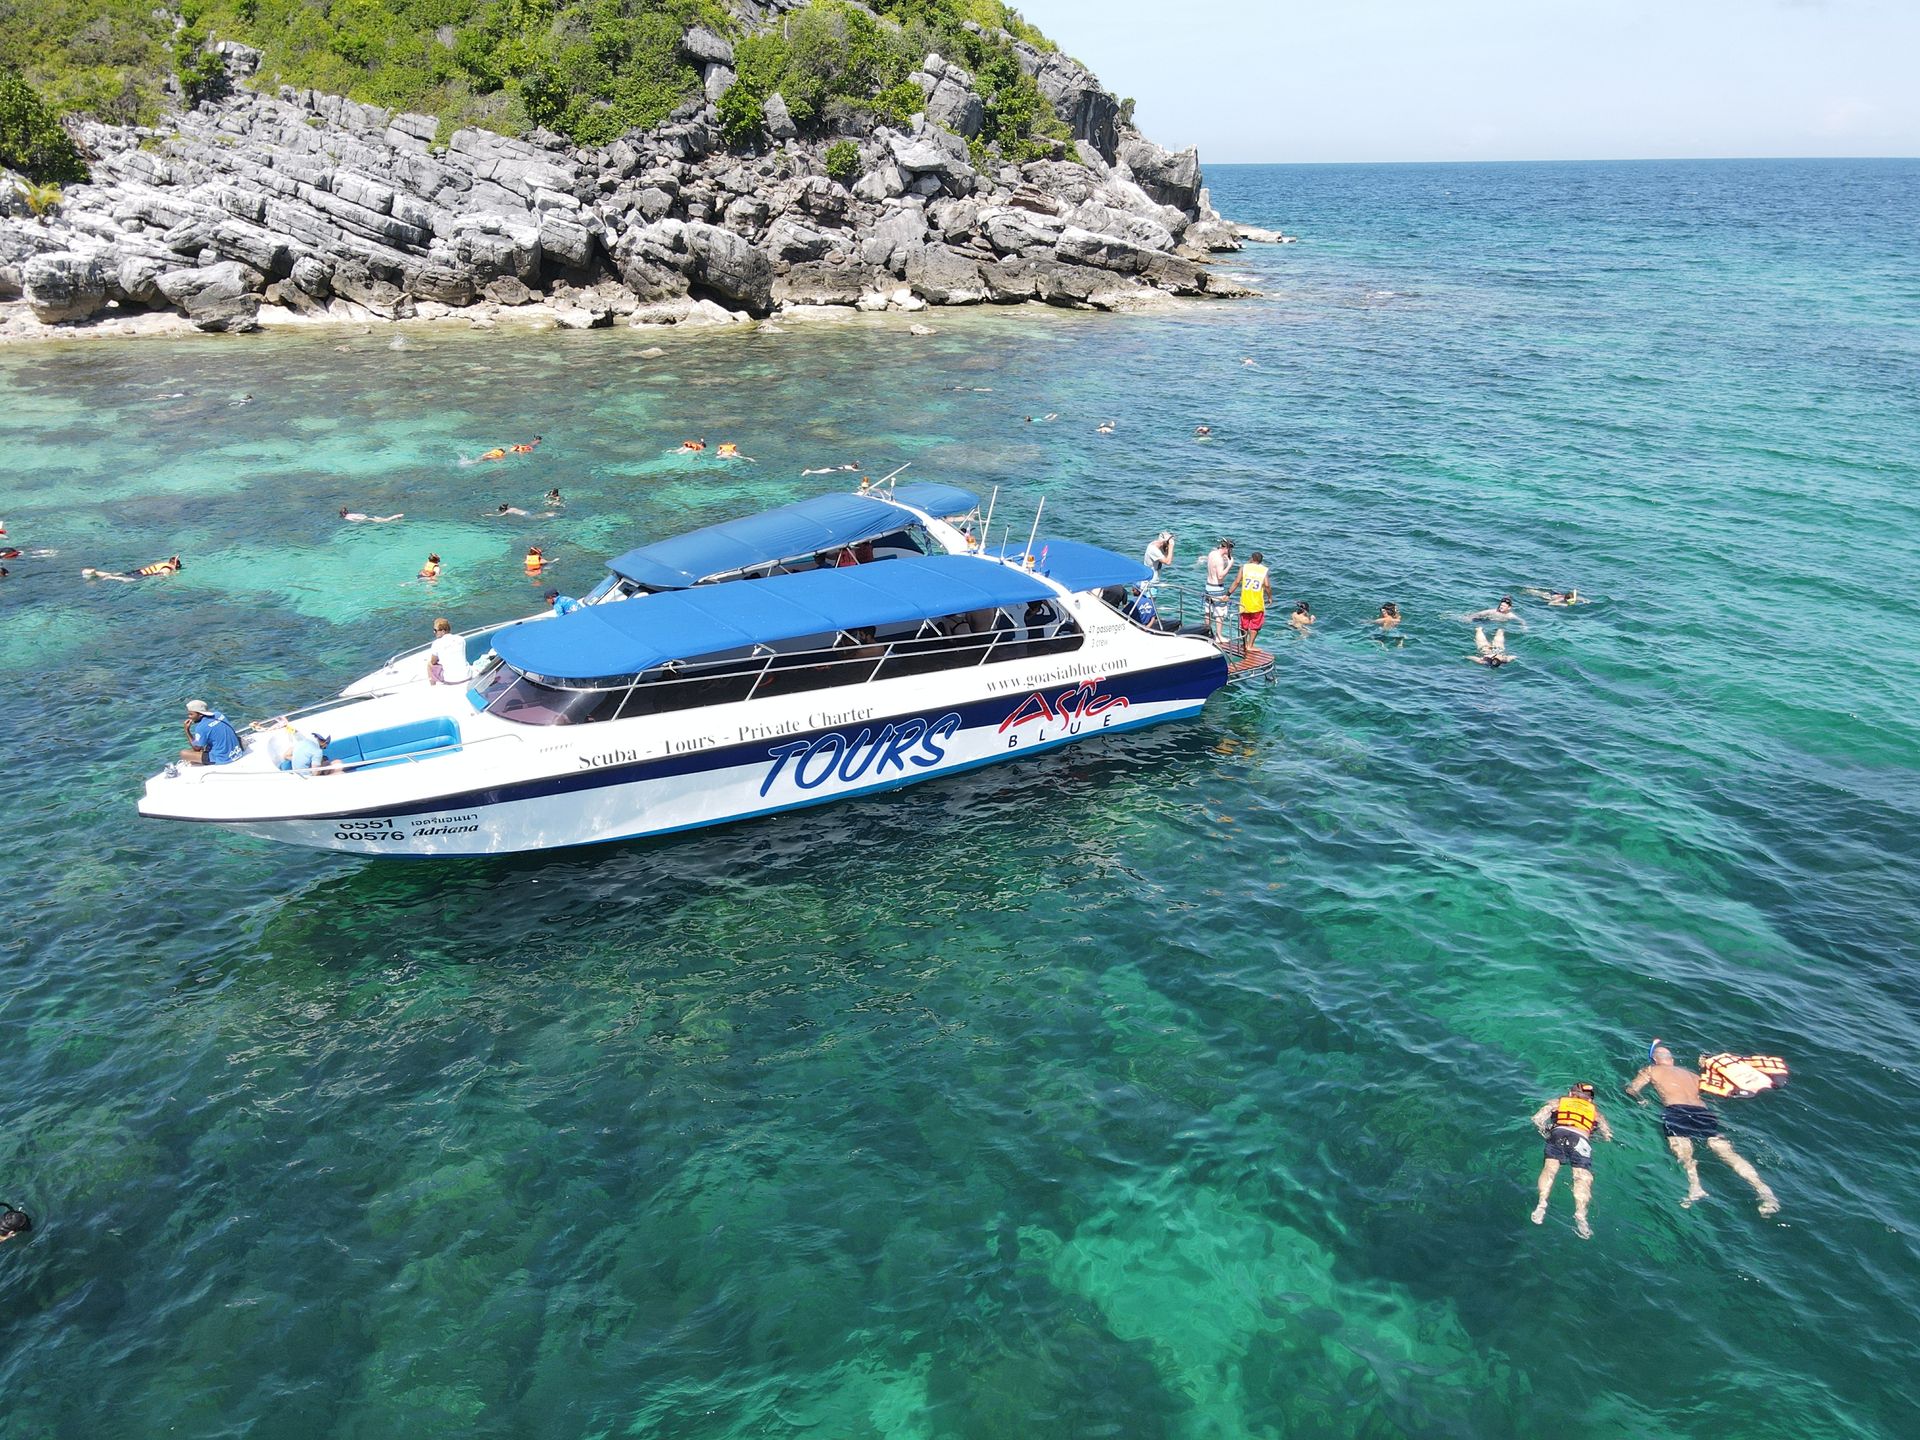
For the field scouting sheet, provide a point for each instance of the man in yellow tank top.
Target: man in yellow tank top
(1568, 1125)
(1255, 590)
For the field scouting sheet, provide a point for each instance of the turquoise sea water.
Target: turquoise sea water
(1175, 1087)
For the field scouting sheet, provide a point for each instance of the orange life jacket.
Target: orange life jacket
(1575, 1112)
(159, 567)
(1739, 1076)
(535, 563)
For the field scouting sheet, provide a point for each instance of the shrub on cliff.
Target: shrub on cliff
(31, 140)
(843, 161)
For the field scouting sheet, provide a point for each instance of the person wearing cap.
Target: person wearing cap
(1685, 1118)
(13, 1221)
(1219, 567)
(561, 604)
(210, 739)
(1160, 552)
(1568, 1125)
(309, 754)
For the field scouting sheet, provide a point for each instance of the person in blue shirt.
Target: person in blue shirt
(310, 753)
(210, 739)
(561, 604)
(1141, 608)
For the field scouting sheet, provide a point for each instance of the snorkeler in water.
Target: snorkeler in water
(1490, 653)
(1568, 596)
(360, 517)
(1302, 616)
(1503, 613)
(505, 509)
(169, 566)
(1389, 615)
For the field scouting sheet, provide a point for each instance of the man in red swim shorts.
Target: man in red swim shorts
(1255, 590)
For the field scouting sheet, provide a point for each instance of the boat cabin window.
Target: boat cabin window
(812, 662)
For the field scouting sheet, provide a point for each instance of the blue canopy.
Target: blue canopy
(624, 637)
(939, 501)
(1075, 565)
(791, 532)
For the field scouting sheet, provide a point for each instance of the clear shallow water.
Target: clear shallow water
(1175, 1088)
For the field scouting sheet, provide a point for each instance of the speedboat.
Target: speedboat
(883, 520)
(683, 707)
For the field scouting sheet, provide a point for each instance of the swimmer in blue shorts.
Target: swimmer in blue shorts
(1686, 1119)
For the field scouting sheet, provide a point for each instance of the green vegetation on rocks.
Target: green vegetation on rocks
(31, 140)
(843, 161)
(836, 65)
(590, 69)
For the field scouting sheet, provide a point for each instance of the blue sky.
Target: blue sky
(1506, 79)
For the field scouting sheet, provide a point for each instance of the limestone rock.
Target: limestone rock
(731, 267)
(943, 276)
(923, 156)
(507, 290)
(823, 282)
(227, 280)
(779, 119)
(889, 239)
(64, 287)
(1211, 235)
(1171, 178)
(313, 276)
(951, 99)
(354, 280)
(703, 47)
(227, 314)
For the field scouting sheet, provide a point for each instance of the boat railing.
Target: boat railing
(765, 672)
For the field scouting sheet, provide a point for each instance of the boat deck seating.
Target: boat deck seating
(395, 744)
(480, 642)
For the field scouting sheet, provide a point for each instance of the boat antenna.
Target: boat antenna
(1035, 532)
(986, 525)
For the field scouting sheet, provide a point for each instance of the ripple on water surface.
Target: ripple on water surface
(1175, 1087)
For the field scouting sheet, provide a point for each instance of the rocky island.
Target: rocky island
(892, 175)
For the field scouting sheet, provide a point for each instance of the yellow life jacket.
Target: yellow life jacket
(1740, 1076)
(1574, 1112)
(1253, 589)
(159, 567)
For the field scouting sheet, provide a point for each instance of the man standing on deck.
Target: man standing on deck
(1255, 591)
(1686, 1119)
(1219, 566)
(1568, 1126)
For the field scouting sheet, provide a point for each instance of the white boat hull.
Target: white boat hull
(623, 794)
